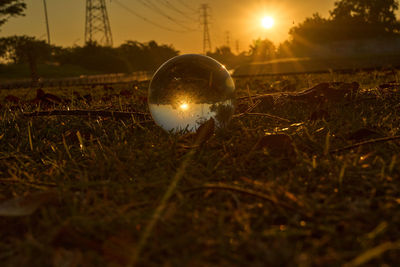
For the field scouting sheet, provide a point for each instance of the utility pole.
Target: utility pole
(204, 16)
(97, 26)
(47, 21)
(237, 47)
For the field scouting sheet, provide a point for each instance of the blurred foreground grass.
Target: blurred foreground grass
(91, 185)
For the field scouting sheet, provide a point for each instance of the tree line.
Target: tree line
(129, 57)
(349, 20)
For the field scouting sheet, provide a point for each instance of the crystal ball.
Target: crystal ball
(188, 90)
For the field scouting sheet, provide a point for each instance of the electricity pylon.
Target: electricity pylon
(228, 39)
(206, 33)
(97, 26)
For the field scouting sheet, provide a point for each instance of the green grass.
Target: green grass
(236, 203)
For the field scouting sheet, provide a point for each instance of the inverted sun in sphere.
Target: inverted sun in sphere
(189, 90)
(267, 22)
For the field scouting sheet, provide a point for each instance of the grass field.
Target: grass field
(16, 71)
(294, 180)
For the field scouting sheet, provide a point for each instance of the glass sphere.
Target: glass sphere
(188, 90)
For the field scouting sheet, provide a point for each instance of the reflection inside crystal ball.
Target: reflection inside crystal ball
(188, 90)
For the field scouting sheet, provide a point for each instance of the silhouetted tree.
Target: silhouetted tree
(145, 56)
(11, 8)
(25, 49)
(133, 56)
(366, 18)
(262, 50)
(156, 54)
(130, 56)
(93, 56)
(371, 11)
(350, 20)
(225, 56)
(315, 29)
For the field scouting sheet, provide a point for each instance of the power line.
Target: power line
(168, 4)
(145, 19)
(187, 6)
(154, 8)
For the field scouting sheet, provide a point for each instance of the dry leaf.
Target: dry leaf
(313, 94)
(327, 92)
(205, 131)
(26, 205)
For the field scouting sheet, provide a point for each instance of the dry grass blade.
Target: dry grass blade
(249, 95)
(373, 253)
(204, 132)
(253, 106)
(160, 209)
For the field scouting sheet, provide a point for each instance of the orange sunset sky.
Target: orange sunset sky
(241, 18)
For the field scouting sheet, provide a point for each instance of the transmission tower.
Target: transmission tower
(97, 27)
(204, 16)
(228, 39)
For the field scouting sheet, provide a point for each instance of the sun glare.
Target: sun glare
(267, 22)
(184, 106)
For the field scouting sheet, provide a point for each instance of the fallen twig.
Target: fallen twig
(261, 96)
(372, 141)
(94, 113)
(262, 115)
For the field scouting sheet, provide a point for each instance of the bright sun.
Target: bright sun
(267, 22)
(184, 106)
